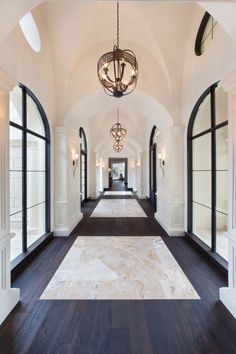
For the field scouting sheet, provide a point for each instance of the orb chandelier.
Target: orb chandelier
(117, 146)
(118, 70)
(118, 130)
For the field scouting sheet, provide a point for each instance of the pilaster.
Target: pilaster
(171, 208)
(67, 183)
(8, 296)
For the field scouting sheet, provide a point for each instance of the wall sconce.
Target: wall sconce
(75, 162)
(138, 164)
(162, 163)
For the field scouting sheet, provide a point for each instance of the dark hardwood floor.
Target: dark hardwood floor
(118, 186)
(119, 327)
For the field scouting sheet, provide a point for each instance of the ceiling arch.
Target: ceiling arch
(95, 103)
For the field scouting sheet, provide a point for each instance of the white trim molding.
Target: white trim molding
(228, 294)
(8, 297)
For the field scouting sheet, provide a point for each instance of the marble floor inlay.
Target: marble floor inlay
(118, 208)
(119, 268)
(118, 193)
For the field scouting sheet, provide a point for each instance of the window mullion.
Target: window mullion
(213, 171)
(24, 171)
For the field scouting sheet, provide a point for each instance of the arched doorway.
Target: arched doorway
(83, 166)
(208, 172)
(152, 166)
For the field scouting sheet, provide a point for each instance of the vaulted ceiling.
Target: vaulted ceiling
(79, 32)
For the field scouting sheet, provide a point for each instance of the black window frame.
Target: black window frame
(210, 91)
(26, 251)
(198, 43)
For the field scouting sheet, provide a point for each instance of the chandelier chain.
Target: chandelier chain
(118, 24)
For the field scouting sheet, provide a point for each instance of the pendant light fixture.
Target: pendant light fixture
(118, 70)
(118, 146)
(118, 130)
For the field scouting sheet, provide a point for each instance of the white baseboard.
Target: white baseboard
(8, 300)
(228, 297)
(177, 231)
(66, 231)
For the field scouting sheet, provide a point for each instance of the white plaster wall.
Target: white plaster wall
(35, 70)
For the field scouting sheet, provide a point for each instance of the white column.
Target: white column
(138, 175)
(8, 296)
(142, 175)
(94, 171)
(228, 294)
(176, 170)
(170, 210)
(67, 184)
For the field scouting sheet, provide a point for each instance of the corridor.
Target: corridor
(117, 177)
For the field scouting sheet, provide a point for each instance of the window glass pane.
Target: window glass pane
(15, 192)
(203, 118)
(35, 188)
(222, 169)
(35, 223)
(202, 153)
(208, 34)
(15, 149)
(34, 119)
(221, 240)
(202, 223)
(16, 242)
(151, 169)
(15, 170)
(83, 144)
(202, 187)
(16, 106)
(222, 191)
(222, 148)
(221, 99)
(35, 153)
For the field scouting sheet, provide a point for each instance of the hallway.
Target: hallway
(119, 326)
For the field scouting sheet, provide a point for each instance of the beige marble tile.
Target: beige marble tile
(118, 193)
(119, 268)
(118, 208)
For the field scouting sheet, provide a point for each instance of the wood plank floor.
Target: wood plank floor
(119, 327)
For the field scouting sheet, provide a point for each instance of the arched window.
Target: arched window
(30, 31)
(83, 165)
(29, 172)
(205, 33)
(152, 166)
(207, 172)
